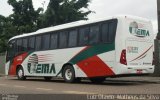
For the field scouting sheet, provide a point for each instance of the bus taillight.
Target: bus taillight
(123, 57)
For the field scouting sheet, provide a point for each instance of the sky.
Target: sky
(103, 8)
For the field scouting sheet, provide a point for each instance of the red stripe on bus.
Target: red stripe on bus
(95, 67)
(17, 61)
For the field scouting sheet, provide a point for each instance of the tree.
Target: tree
(25, 17)
(7, 30)
(2, 22)
(23, 20)
(64, 11)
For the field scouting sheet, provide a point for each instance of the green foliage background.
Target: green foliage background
(26, 19)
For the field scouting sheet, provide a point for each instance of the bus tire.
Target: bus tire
(98, 80)
(68, 74)
(20, 74)
(47, 78)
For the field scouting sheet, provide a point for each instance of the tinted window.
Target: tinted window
(73, 38)
(38, 43)
(11, 50)
(54, 41)
(31, 43)
(63, 40)
(109, 31)
(45, 43)
(83, 36)
(25, 43)
(105, 32)
(19, 45)
(94, 34)
(112, 31)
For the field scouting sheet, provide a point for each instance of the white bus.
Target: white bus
(85, 49)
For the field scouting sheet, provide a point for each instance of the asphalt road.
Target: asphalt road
(126, 85)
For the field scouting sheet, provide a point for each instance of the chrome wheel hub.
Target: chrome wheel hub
(68, 74)
(20, 73)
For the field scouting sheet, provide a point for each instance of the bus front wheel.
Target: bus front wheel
(20, 74)
(68, 74)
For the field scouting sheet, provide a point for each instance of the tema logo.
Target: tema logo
(32, 63)
(137, 30)
(35, 67)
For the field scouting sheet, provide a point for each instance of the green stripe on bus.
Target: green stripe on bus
(92, 51)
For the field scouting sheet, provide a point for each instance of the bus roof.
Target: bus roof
(74, 24)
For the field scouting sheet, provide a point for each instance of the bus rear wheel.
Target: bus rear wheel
(68, 74)
(20, 74)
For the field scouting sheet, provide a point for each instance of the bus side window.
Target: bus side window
(54, 41)
(94, 34)
(63, 39)
(38, 43)
(105, 32)
(83, 36)
(19, 46)
(112, 31)
(46, 40)
(25, 44)
(11, 50)
(31, 43)
(73, 38)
